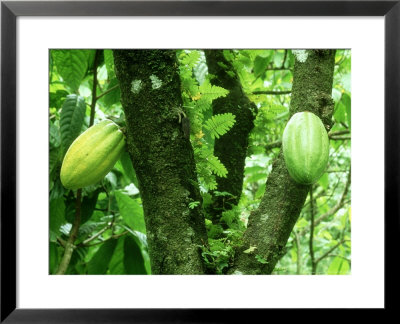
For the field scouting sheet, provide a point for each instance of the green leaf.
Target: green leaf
(340, 113)
(194, 204)
(324, 181)
(72, 65)
(109, 61)
(220, 124)
(214, 163)
(133, 259)
(260, 191)
(338, 266)
(100, 261)
(55, 139)
(116, 265)
(202, 104)
(57, 211)
(126, 163)
(111, 178)
(278, 58)
(260, 65)
(190, 58)
(346, 82)
(53, 159)
(346, 101)
(53, 258)
(113, 96)
(57, 98)
(211, 92)
(57, 191)
(71, 119)
(88, 205)
(141, 241)
(255, 177)
(131, 212)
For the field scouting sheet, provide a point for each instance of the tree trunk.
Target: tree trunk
(270, 225)
(230, 148)
(162, 158)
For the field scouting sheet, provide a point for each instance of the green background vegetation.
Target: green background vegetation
(111, 239)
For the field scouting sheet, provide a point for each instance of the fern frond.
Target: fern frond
(190, 58)
(220, 124)
(214, 163)
(211, 92)
(202, 104)
(208, 183)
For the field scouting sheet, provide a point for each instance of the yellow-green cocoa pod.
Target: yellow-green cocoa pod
(92, 155)
(305, 145)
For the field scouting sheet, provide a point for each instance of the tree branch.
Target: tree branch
(330, 250)
(61, 241)
(341, 132)
(271, 92)
(340, 138)
(272, 145)
(284, 59)
(85, 242)
(339, 256)
(107, 91)
(69, 246)
(113, 237)
(335, 208)
(332, 136)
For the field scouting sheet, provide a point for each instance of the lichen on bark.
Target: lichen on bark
(163, 159)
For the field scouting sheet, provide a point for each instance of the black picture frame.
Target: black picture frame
(10, 10)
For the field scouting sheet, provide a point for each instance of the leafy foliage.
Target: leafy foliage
(100, 261)
(72, 65)
(71, 119)
(220, 124)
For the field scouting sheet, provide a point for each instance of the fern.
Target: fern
(202, 104)
(189, 58)
(211, 92)
(220, 124)
(214, 163)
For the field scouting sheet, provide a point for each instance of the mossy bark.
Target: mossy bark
(231, 148)
(162, 158)
(270, 225)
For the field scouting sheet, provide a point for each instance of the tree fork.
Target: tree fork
(270, 225)
(163, 159)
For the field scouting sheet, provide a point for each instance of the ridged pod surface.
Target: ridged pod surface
(92, 155)
(305, 145)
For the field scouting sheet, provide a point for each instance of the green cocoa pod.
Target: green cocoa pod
(305, 145)
(92, 155)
